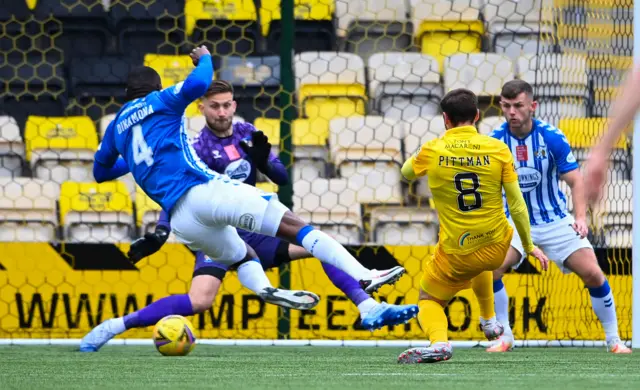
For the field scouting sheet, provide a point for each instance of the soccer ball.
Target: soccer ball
(173, 336)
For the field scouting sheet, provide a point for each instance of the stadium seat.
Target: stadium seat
(443, 28)
(28, 210)
(490, 123)
(584, 133)
(104, 123)
(16, 33)
(98, 85)
(482, 73)
(155, 27)
(616, 214)
(404, 226)
(81, 28)
(559, 82)
(61, 148)
(331, 206)
(34, 85)
(404, 85)
(271, 128)
(256, 84)
(147, 212)
(374, 26)
(92, 212)
(314, 29)
(229, 27)
(330, 85)
(520, 26)
(173, 69)
(418, 131)
(11, 148)
(368, 150)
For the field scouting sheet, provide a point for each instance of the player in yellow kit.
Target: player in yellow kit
(467, 173)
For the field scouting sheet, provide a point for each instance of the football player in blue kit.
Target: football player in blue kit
(148, 139)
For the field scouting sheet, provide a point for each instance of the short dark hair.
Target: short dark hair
(141, 81)
(511, 89)
(217, 87)
(460, 105)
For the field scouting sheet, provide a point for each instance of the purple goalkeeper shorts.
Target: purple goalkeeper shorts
(271, 251)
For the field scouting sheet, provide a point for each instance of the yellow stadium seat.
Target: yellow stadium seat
(96, 212)
(311, 10)
(28, 210)
(585, 132)
(61, 148)
(147, 211)
(444, 28)
(195, 10)
(271, 128)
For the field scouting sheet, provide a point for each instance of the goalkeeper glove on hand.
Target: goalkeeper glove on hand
(148, 245)
(258, 151)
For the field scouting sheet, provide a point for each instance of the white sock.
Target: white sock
(252, 276)
(605, 309)
(117, 325)
(327, 250)
(501, 300)
(366, 306)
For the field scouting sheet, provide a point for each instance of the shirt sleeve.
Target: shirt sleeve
(179, 96)
(420, 161)
(509, 174)
(561, 150)
(107, 154)
(277, 172)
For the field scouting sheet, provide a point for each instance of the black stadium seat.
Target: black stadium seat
(152, 27)
(81, 27)
(34, 86)
(256, 82)
(97, 84)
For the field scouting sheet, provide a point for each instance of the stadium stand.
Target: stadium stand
(28, 210)
(11, 148)
(61, 148)
(404, 85)
(92, 212)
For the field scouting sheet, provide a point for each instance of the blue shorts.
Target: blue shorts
(271, 251)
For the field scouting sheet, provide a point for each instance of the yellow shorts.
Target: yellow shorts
(446, 274)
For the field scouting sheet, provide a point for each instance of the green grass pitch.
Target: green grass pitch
(211, 367)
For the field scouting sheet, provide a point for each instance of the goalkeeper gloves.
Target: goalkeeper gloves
(148, 245)
(258, 151)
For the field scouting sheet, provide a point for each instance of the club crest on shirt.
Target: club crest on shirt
(238, 170)
(528, 178)
(541, 153)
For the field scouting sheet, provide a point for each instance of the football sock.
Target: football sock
(150, 315)
(502, 305)
(329, 251)
(433, 321)
(252, 276)
(482, 286)
(348, 285)
(605, 309)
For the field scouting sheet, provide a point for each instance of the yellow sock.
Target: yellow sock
(482, 286)
(433, 321)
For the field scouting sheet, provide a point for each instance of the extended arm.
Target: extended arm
(519, 214)
(276, 172)
(102, 173)
(576, 183)
(407, 169)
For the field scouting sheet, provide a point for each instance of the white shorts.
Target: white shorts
(205, 217)
(557, 240)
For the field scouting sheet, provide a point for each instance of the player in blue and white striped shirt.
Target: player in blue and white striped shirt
(543, 157)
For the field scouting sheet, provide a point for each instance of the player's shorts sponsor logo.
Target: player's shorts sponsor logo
(238, 170)
(247, 222)
(529, 178)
